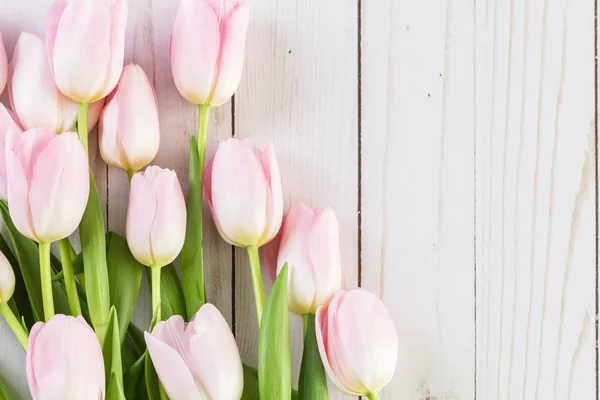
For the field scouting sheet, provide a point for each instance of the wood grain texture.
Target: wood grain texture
(418, 188)
(535, 200)
(299, 91)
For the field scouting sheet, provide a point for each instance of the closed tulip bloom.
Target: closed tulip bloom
(309, 243)
(8, 122)
(33, 94)
(85, 43)
(197, 360)
(243, 189)
(156, 217)
(64, 361)
(3, 65)
(48, 183)
(207, 49)
(357, 341)
(128, 132)
(7, 279)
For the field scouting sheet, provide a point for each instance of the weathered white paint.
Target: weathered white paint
(477, 176)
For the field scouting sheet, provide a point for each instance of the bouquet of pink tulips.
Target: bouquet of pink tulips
(71, 312)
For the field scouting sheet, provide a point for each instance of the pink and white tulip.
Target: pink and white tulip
(85, 43)
(128, 133)
(7, 279)
(48, 183)
(357, 341)
(3, 65)
(156, 217)
(197, 360)
(33, 94)
(309, 243)
(64, 361)
(207, 49)
(243, 189)
(8, 122)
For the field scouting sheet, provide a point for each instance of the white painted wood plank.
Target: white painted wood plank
(299, 91)
(535, 199)
(418, 188)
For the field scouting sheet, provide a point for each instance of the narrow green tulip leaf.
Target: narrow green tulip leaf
(22, 306)
(152, 388)
(171, 293)
(133, 379)
(4, 393)
(313, 381)
(111, 349)
(125, 277)
(115, 389)
(251, 391)
(274, 366)
(93, 247)
(136, 335)
(192, 267)
(77, 268)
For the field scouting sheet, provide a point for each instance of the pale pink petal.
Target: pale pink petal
(3, 65)
(59, 188)
(175, 333)
(270, 252)
(7, 279)
(118, 24)
(7, 122)
(31, 350)
(140, 216)
(231, 62)
(274, 209)
(93, 114)
(52, 22)
(108, 127)
(222, 8)
(194, 50)
(172, 371)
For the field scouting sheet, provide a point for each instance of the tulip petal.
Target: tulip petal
(274, 195)
(83, 25)
(168, 228)
(270, 252)
(239, 193)
(207, 188)
(118, 11)
(140, 214)
(7, 122)
(175, 333)
(3, 65)
(172, 371)
(231, 61)
(59, 188)
(107, 133)
(194, 50)
(52, 21)
(31, 380)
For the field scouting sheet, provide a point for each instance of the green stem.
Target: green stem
(156, 293)
(130, 174)
(14, 324)
(46, 277)
(257, 283)
(82, 124)
(67, 266)
(203, 114)
(373, 396)
(306, 321)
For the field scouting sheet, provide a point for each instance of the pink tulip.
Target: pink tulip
(64, 361)
(243, 189)
(8, 122)
(207, 49)
(198, 360)
(85, 42)
(357, 341)
(33, 94)
(3, 65)
(48, 183)
(128, 132)
(7, 279)
(156, 217)
(309, 243)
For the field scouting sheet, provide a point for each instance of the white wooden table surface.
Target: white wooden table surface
(455, 139)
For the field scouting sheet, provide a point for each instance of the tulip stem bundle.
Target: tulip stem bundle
(373, 396)
(156, 317)
(82, 124)
(46, 277)
(67, 267)
(257, 282)
(14, 324)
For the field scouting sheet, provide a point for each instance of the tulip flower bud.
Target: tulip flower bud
(3, 65)
(357, 341)
(64, 361)
(48, 183)
(207, 49)
(7, 123)
(243, 189)
(128, 132)
(7, 279)
(156, 217)
(33, 94)
(197, 360)
(85, 42)
(309, 243)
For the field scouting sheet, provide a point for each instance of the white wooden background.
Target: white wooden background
(456, 140)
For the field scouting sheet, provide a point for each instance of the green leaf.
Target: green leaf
(125, 277)
(111, 349)
(171, 293)
(192, 268)
(22, 306)
(251, 391)
(313, 381)
(77, 268)
(115, 388)
(274, 366)
(93, 247)
(136, 335)
(4, 392)
(133, 379)
(152, 387)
